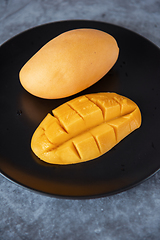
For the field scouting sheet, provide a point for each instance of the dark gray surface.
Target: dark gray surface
(133, 214)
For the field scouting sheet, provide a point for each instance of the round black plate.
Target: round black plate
(135, 75)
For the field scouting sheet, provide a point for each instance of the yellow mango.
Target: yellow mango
(69, 63)
(85, 128)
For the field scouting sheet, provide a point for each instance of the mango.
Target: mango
(84, 128)
(69, 63)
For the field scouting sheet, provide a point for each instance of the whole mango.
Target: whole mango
(69, 63)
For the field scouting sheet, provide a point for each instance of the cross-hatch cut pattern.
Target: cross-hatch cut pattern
(85, 128)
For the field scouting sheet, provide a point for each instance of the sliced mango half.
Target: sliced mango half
(85, 128)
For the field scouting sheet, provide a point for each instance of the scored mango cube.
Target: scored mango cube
(47, 121)
(134, 119)
(90, 112)
(127, 105)
(59, 136)
(40, 142)
(121, 127)
(86, 146)
(107, 103)
(67, 153)
(105, 137)
(69, 119)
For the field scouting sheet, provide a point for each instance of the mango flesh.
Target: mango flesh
(85, 128)
(69, 63)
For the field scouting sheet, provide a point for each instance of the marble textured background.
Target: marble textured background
(134, 214)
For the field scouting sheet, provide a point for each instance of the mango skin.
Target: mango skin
(85, 128)
(69, 63)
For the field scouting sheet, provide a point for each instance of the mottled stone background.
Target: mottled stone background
(131, 215)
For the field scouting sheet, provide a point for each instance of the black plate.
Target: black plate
(136, 75)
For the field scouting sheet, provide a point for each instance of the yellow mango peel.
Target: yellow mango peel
(84, 128)
(69, 63)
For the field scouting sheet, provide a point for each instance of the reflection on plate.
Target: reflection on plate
(135, 75)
